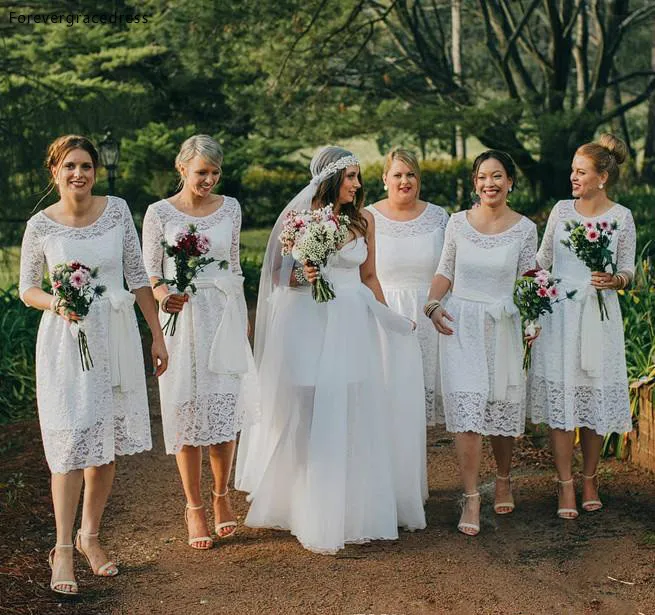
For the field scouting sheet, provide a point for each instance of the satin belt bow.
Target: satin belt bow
(123, 360)
(507, 343)
(590, 332)
(228, 354)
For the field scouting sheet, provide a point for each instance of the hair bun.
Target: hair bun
(615, 146)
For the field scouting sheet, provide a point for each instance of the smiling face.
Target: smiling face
(402, 183)
(76, 174)
(349, 185)
(200, 176)
(492, 183)
(584, 178)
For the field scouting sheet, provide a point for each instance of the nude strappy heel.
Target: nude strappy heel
(230, 525)
(509, 504)
(58, 586)
(194, 542)
(470, 529)
(591, 505)
(108, 569)
(566, 513)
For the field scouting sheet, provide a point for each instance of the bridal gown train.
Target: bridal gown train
(323, 461)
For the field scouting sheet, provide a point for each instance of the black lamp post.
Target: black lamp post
(110, 151)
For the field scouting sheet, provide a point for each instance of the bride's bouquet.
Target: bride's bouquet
(73, 286)
(188, 253)
(535, 293)
(590, 243)
(310, 236)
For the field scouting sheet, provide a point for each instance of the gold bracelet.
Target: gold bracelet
(430, 307)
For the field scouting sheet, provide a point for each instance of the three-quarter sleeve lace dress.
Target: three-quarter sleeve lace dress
(210, 387)
(482, 382)
(89, 417)
(406, 257)
(578, 376)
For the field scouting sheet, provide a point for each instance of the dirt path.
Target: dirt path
(529, 562)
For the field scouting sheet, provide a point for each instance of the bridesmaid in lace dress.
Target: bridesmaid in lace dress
(210, 387)
(87, 417)
(409, 236)
(482, 383)
(578, 376)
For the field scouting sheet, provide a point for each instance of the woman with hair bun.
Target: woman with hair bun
(210, 389)
(88, 417)
(482, 384)
(578, 377)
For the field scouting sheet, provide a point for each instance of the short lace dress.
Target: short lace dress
(89, 417)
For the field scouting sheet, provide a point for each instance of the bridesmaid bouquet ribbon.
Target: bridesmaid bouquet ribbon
(188, 254)
(590, 243)
(590, 334)
(535, 293)
(123, 363)
(72, 284)
(228, 352)
(310, 237)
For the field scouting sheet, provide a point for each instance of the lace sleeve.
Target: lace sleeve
(153, 251)
(545, 253)
(32, 260)
(626, 246)
(527, 256)
(447, 261)
(235, 261)
(133, 269)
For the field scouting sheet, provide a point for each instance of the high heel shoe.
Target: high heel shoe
(58, 586)
(194, 542)
(498, 506)
(591, 505)
(469, 529)
(566, 513)
(230, 525)
(108, 569)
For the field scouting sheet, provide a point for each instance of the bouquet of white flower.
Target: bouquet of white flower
(310, 236)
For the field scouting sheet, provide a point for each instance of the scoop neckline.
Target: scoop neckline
(577, 213)
(86, 226)
(425, 209)
(197, 217)
(507, 230)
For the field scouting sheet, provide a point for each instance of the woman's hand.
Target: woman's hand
(531, 335)
(173, 304)
(61, 310)
(439, 317)
(603, 280)
(159, 355)
(311, 273)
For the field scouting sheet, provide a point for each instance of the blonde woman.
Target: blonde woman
(211, 386)
(88, 417)
(578, 377)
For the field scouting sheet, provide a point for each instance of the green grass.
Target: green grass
(253, 243)
(9, 266)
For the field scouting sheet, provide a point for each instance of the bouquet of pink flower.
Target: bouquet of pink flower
(310, 236)
(590, 243)
(535, 293)
(188, 253)
(72, 284)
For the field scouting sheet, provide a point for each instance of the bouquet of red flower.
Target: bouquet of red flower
(535, 293)
(590, 243)
(187, 252)
(75, 292)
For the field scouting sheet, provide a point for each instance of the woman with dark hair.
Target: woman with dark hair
(578, 377)
(319, 463)
(482, 385)
(87, 417)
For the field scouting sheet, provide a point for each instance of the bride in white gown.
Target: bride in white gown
(321, 461)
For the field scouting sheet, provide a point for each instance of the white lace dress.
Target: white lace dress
(482, 382)
(578, 376)
(406, 257)
(322, 465)
(89, 417)
(210, 387)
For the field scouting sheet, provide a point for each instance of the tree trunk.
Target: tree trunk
(456, 25)
(648, 170)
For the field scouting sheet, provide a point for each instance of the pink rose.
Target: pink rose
(553, 292)
(542, 291)
(203, 244)
(592, 235)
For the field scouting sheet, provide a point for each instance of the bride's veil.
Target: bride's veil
(276, 269)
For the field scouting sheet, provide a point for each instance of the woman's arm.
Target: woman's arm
(367, 269)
